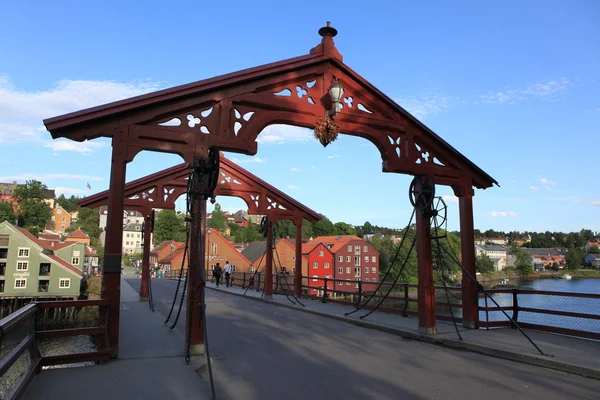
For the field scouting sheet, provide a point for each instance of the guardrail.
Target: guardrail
(37, 335)
(555, 312)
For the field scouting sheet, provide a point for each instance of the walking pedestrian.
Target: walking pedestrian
(227, 273)
(217, 273)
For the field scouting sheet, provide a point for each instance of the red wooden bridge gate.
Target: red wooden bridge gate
(230, 111)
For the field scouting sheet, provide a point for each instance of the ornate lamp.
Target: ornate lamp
(336, 91)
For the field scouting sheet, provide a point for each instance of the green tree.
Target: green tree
(594, 250)
(324, 227)
(574, 258)
(367, 228)
(34, 212)
(169, 226)
(7, 212)
(217, 219)
(70, 204)
(342, 228)
(88, 220)
(524, 263)
(285, 228)
(484, 264)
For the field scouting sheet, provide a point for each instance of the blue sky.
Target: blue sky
(512, 85)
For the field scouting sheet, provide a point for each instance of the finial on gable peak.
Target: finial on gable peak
(328, 30)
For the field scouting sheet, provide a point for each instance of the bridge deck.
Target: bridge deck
(264, 351)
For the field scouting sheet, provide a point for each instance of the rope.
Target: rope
(382, 280)
(255, 272)
(287, 283)
(482, 289)
(412, 245)
(150, 299)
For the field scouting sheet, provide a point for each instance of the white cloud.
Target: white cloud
(514, 181)
(450, 198)
(249, 160)
(334, 156)
(534, 188)
(313, 167)
(516, 198)
(281, 134)
(540, 90)
(546, 181)
(47, 177)
(595, 203)
(502, 214)
(296, 169)
(294, 187)
(576, 201)
(67, 191)
(426, 105)
(22, 112)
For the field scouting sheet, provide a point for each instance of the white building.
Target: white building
(132, 239)
(129, 217)
(498, 255)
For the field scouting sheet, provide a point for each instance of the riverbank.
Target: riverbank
(512, 274)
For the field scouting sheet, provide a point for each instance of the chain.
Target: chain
(150, 299)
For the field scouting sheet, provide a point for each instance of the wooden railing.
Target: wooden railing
(37, 335)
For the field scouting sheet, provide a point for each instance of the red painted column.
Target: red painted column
(425, 289)
(269, 261)
(146, 257)
(298, 261)
(113, 251)
(196, 271)
(467, 250)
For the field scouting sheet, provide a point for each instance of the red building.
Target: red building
(319, 265)
(354, 259)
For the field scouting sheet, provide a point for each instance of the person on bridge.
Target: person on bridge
(227, 273)
(217, 274)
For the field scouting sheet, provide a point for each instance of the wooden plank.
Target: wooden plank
(41, 335)
(76, 358)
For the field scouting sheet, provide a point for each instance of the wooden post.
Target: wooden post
(426, 290)
(146, 256)
(467, 248)
(298, 261)
(111, 270)
(196, 273)
(269, 261)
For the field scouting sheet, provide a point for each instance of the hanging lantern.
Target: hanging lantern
(336, 91)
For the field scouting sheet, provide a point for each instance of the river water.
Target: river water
(584, 285)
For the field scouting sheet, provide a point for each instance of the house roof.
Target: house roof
(133, 228)
(543, 252)
(254, 250)
(228, 243)
(51, 256)
(169, 257)
(164, 244)
(49, 236)
(96, 119)
(337, 242)
(79, 234)
(491, 247)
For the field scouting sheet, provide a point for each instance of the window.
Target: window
(2, 268)
(3, 253)
(126, 243)
(252, 270)
(347, 270)
(326, 265)
(22, 265)
(45, 269)
(76, 253)
(347, 283)
(213, 248)
(315, 278)
(75, 261)
(20, 283)
(137, 244)
(366, 258)
(365, 249)
(357, 250)
(340, 270)
(43, 286)
(64, 219)
(59, 211)
(64, 283)
(366, 270)
(357, 272)
(357, 261)
(373, 259)
(23, 252)
(347, 258)
(340, 258)
(366, 279)
(315, 265)
(128, 235)
(374, 270)
(349, 249)
(321, 253)
(233, 267)
(1, 286)
(63, 226)
(340, 283)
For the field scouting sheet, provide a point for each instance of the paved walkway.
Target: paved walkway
(568, 354)
(151, 363)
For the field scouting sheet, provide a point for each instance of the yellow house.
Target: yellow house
(60, 221)
(78, 236)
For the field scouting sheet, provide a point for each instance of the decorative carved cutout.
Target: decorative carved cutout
(301, 92)
(226, 178)
(206, 113)
(192, 120)
(143, 195)
(396, 144)
(364, 109)
(172, 122)
(255, 198)
(237, 125)
(348, 100)
(274, 205)
(204, 129)
(167, 192)
(424, 156)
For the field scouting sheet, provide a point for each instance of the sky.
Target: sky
(512, 85)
